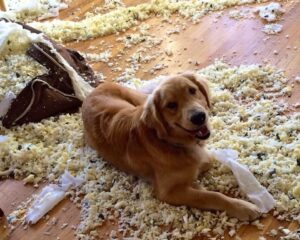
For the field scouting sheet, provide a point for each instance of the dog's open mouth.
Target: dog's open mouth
(201, 133)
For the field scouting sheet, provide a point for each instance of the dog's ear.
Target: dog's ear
(202, 85)
(152, 115)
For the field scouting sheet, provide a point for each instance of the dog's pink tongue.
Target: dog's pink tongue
(203, 131)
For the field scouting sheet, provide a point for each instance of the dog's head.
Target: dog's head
(178, 109)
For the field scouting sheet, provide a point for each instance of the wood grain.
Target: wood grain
(236, 41)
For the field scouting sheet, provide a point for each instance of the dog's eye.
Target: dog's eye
(172, 105)
(192, 90)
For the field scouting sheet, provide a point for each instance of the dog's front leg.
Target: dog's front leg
(208, 200)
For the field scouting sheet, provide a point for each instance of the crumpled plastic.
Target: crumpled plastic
(246, 180)
(50, 196)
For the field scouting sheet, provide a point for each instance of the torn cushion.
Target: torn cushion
(43, 97)
(51, 94)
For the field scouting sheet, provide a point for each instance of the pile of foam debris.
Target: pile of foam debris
(270, 14)
(28, 10)
(259, 129)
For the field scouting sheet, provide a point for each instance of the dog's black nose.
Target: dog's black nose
(198, 118)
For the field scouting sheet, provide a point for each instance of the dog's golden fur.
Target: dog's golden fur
(154, 137)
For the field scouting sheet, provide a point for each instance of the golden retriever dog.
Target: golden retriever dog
(160, 137)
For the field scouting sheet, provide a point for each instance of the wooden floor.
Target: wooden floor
(237, 41)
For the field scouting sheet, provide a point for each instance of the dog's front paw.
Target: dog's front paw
(243, 210)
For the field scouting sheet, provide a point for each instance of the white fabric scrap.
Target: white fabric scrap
(246, 180)
(50, 196)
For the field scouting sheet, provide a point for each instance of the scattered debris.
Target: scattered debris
(285, 231)
(261, 238)
(270, 12)
(124, 18)
(291, 235)
(272, 29)
(64, 226)
(273, 232)
(174, 31)
(101, 57)
(232, 232)
(258, 224)
(240, 13)
(169, 52)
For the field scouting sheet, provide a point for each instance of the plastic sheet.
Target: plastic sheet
(246, 180)
(50, 196)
